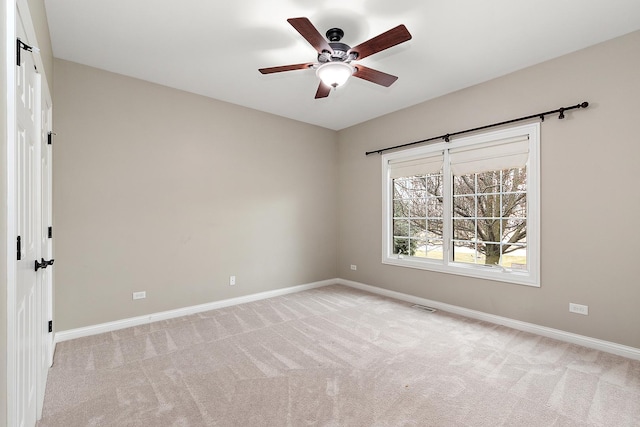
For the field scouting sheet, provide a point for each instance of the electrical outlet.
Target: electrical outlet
(354, 267)
(232, 280)
(139, 295)
(579, 308)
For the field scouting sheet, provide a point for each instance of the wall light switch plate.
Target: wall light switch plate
(232, 280)
(579, 308)
(139, 295)
(354, 267)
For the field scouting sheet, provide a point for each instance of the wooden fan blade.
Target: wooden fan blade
(285, 68)
(323, 91)
(310, 33)
(374, 76)
(388, 39)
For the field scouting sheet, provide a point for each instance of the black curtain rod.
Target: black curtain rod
(448, 136)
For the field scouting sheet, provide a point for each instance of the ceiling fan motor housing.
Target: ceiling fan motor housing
(334, 35)
(339, 53)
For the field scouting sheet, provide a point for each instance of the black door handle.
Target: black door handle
(43, 264)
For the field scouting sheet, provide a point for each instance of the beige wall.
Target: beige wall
(589, 198)
(167, 192)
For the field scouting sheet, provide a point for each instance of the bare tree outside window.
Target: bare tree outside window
(417, 216)
(490, 217)
(488, 222)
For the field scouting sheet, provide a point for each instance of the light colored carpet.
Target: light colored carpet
(335, 356)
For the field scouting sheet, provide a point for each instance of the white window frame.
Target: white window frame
(497, 273)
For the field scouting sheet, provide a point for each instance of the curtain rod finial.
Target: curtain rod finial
(584, 104)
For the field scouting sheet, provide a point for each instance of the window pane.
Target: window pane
(418, 186)
(434, 207)
(403, 188)
(489, 229)
(418, 228)
(464, 184)
(398, 185)
(464, 206)
(489, 206)
(434, 249)
(514, 180)
(401, 228)
(514, 205)
(464, 229)
(434, 185)
(419, 208)
(515, 230)
(420, 248)
(401, 246)
(491, 253)
(400, 208)
(466, 252)
(489, 182)
(434, 228)
(515, 257)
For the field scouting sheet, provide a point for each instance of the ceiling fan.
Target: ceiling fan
(334, 58)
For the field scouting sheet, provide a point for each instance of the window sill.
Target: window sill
(479, 272)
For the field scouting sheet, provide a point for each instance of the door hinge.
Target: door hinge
(50, 233)
(22, 45)
(50, 326)
(19, 248)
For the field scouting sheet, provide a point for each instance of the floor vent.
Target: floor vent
(424, 308)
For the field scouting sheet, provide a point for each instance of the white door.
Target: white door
(28, 229)
(45, 276)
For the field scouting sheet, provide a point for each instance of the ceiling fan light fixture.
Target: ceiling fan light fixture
(335, 74)
(333, 66)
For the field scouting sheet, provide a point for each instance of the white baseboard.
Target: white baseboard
(594, 343)
(186, 311)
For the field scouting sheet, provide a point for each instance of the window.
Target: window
(467, 207)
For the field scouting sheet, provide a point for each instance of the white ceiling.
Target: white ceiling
(214, 47)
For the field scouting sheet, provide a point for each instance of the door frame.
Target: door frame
(10, 71)
(10, 68)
